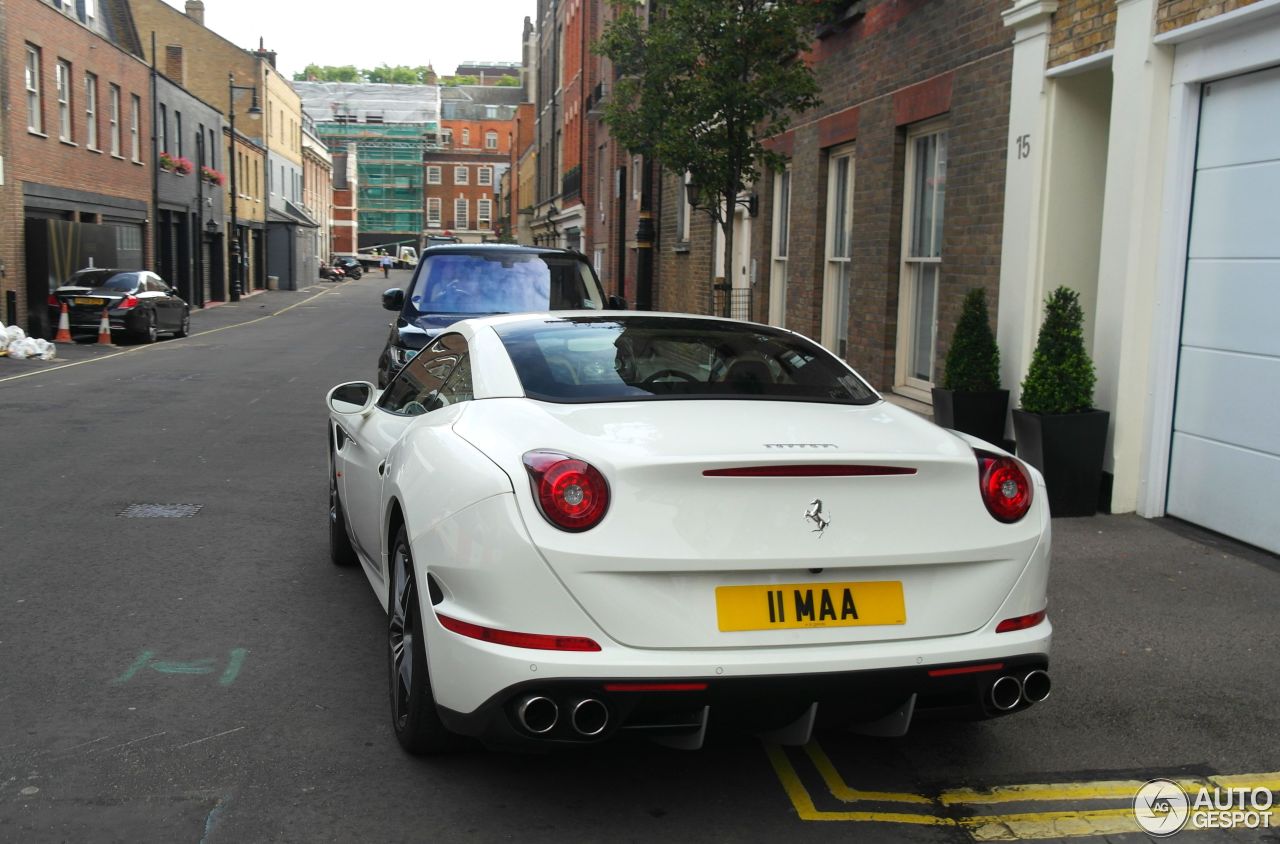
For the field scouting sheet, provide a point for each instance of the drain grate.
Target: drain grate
(160, 511)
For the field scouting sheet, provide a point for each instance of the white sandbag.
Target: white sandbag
(18, 350)
(42, 349)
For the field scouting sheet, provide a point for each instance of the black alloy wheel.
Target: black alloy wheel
(414, 716)
(340, 550)
(184, 328)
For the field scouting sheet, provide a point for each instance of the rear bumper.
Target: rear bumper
(757, 703)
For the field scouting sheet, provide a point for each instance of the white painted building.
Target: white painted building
(1146, 175)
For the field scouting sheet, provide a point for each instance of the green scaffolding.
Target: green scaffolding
(389, 171)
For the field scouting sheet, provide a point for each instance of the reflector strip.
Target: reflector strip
(536, 641)
(655, 687)
(808, 471)
(966, 669)
(1021, 622)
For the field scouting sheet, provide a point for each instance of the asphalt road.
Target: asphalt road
(214, 678)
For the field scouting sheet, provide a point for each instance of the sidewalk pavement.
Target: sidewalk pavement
(218, 315)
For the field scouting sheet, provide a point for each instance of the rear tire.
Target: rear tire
(414, 716)
(184, 327)
(149, 332)
(340, 550)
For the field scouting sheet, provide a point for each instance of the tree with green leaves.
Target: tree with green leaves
(704, 82)
(329, 73)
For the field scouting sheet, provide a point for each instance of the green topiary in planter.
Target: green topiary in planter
(1061, 376)
(1058, 430)
(970, 398)
(973, 361)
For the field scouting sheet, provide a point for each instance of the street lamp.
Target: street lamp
(255, 111)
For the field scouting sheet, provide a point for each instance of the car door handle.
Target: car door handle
(382, 468)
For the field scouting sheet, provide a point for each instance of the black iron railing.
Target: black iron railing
(571, 183)
(733, 302)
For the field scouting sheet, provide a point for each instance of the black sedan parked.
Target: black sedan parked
(137, 302)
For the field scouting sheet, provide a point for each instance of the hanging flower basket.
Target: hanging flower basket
(183, 166)
(212, 176)
(167, 162)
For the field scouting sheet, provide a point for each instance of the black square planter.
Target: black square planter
(1067, 449)
(980, 414)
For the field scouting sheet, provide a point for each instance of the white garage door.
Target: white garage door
(1224, 470)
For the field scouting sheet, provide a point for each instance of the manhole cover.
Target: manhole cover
(160, 511)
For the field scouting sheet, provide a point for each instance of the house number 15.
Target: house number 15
(1024, 146)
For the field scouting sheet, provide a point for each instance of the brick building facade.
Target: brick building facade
(460, 188)
(77, 170)
(877, 284)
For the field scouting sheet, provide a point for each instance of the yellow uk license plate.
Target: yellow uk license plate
(87, 300)
(791, 605)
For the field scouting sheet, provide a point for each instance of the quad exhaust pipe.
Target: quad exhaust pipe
(589, 717)
(1009, 691)
(1036, 686)
(537, 714)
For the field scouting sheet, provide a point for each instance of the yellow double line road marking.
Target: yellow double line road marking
(922, 810)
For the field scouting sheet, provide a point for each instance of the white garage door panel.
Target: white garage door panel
(1224, 466)
(1226, 489)
(1230, 398)
(1233, 305)
(1240, 120)
(1236, 212)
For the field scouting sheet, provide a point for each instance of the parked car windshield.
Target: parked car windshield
(502, 282)
(593, 359)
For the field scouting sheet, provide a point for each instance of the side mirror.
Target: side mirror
(352, 397)
(617, 303)
(393, 299)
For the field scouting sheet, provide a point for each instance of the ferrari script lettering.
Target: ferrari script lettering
(809, 607)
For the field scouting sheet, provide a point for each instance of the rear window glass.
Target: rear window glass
(501, 283)
(592, 359)
(124, 282)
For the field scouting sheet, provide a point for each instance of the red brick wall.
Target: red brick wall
(49, 161)
(449, 190)
(1172, 14)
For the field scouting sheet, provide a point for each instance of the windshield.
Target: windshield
(123, 282)
(592, 359)
(502, 283)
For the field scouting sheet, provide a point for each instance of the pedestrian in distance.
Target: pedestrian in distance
(386, 265)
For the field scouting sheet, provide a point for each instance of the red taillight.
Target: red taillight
(808, 471)
(536, 641)
(1021, 622)
(129, 301)
(966, 669)
(571, 493)
(54, 301)
(1006, 489)
(655, 687)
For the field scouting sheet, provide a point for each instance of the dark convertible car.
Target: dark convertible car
(136, 301)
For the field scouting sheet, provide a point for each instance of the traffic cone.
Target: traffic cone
(104, 330)
(64, 327)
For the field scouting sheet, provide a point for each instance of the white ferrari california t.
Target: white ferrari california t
(585, 525)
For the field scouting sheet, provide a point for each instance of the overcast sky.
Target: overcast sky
(367, 33)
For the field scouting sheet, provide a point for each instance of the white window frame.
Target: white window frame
(490, 140)
(62, 76)
(433, 174)
(35, 103)
(779, 247)
(135, 120)
(466, 137)
(91, 110)
(484, 175)
(114, 115)
(913, 265)
(433, 211)
(837, 279)
(484, 213)
(446, 137)
(461, 174)
(460, 215)
(162, 128)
